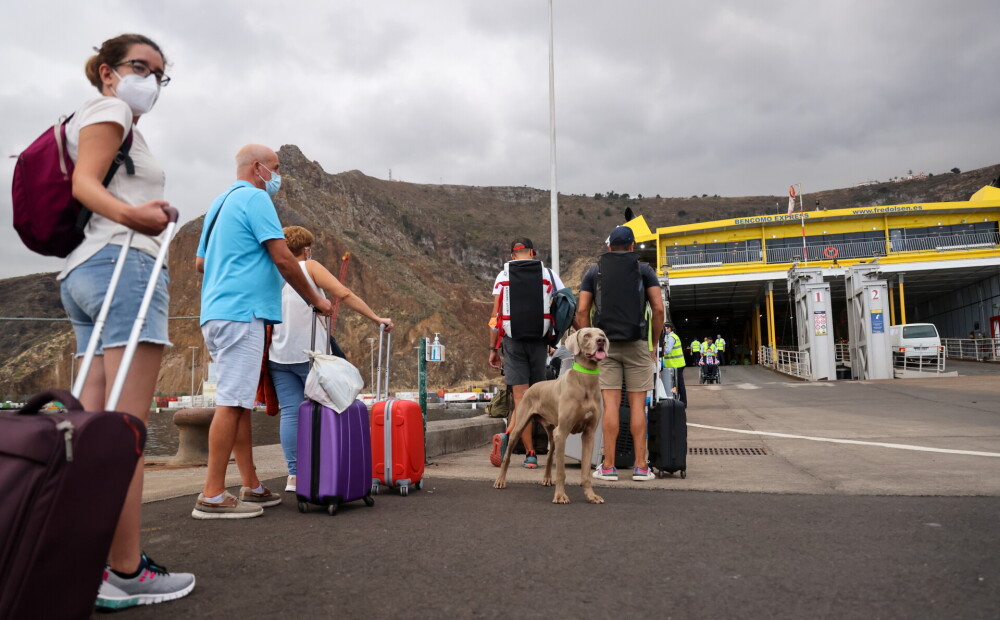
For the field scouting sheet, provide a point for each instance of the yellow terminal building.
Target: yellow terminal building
(938, 263)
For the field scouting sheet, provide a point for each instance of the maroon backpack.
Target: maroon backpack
(46, 216)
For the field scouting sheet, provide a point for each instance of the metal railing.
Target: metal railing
(919, 363)
(701, 257)
(787, 361)
(944, 243)
(828, 251)
(979, 349)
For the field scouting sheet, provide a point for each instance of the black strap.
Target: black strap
(122, 157)
(216, 218)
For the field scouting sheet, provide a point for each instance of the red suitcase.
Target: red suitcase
(397, 436)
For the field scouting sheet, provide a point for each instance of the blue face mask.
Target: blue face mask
(272, 186)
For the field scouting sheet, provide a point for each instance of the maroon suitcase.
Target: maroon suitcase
(64, 477)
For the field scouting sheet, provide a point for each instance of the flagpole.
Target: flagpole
(554, 193)
(802, 216)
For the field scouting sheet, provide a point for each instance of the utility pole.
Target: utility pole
(554, 197)
(193, 349)
(371, 345)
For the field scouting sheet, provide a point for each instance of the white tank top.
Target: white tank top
(292, 335)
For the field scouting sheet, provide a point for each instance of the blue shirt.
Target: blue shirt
(241, 281)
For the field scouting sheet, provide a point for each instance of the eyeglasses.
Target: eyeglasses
(141, 68)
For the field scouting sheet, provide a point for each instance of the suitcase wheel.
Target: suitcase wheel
(684, 473)
(303, 507)
(420, 485)
(404, 490)
(332, 508)
(369, 501)
(374, 488)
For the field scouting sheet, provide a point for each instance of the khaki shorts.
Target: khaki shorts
(631, 358)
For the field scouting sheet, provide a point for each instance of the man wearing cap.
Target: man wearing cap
(625, 295)
(520, 325)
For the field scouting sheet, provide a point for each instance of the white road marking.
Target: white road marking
(897, 446)
(755, 386)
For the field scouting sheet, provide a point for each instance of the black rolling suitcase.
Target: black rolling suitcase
(666, 423)
(624, 448)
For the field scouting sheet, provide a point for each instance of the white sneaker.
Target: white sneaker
(290, 485)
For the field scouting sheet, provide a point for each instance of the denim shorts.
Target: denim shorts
(83, 291)
(237, 349)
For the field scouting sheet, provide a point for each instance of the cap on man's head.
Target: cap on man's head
(621, 235)
(521, 243)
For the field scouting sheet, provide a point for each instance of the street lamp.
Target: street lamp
(192, 374)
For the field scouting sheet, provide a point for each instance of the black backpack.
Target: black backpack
(526, 315)
(620, 298)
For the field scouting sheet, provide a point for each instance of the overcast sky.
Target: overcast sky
(652, 96)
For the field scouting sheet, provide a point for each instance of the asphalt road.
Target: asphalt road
(868, 500)
(462, 549)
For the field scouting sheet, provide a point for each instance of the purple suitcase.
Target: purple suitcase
(65, 476)
(334, 455)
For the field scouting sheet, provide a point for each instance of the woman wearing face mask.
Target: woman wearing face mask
(128, 72)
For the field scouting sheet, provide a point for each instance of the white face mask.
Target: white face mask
(140, 93)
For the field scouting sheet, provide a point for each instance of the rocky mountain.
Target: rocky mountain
(424, 255)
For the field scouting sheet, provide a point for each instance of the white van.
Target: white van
(914, 340)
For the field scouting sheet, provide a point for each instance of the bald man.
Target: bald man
(244, 257)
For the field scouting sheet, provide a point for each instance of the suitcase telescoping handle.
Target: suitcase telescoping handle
(379, 383)
(140, 319)
(329, 331)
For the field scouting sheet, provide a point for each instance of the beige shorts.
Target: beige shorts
(631, 358)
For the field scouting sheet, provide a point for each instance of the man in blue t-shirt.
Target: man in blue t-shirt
(244, 257)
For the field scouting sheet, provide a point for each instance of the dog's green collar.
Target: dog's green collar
(587, 371)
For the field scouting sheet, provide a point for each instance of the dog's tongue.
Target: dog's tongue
(599, 355)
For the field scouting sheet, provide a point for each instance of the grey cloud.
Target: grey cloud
(670, 98)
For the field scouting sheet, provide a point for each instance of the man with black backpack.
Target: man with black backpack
(625, 296)
(520, 329)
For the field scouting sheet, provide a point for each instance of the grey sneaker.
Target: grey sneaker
(263, 500)
(228, 508)
(642, 473)
(154, 584)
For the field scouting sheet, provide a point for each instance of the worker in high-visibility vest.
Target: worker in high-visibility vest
(720, 348)
(695, 349)
(708, 348)
(673, 357)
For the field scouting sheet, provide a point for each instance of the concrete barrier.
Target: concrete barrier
(447, 436)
